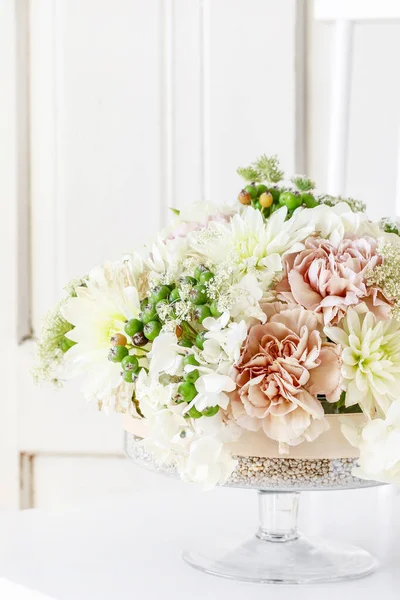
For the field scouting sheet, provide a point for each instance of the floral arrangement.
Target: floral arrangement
(263, 315)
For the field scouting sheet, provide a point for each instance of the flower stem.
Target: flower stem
(192, 329)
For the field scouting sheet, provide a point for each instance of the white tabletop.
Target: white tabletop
(128, 546)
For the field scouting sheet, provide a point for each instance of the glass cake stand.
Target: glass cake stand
(278, 553)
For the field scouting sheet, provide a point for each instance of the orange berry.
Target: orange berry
(118, 339)
(266, 200)
(244, 197)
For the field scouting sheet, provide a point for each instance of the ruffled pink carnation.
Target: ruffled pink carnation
(284, 364)
(328, 279)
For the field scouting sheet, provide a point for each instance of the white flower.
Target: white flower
(226, 430)
(200, 212)
(251, 244)
(236, 299)
(164, 355)
(166, 254)
(370, 359)
(329, 222)
(211, 389)
(98, 312)
(226, 343)
(197, 448)
(379, 445)
(285, 236)
(121, 273)
(213, 324)
(170, 435)
(212, 353)
(372, 229)
(247, 293)
(208, 463)
(221, 351)
(151, 394)
(376, 230)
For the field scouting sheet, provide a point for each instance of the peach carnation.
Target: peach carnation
(328, 279)
(283, 366)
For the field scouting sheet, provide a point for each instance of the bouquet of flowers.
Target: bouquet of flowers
(263, 315)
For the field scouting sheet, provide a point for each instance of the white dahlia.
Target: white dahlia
(166, 255)
(370, 359)
(251, 244)
(97, 312)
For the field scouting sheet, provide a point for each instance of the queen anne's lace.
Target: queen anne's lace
(387, 275)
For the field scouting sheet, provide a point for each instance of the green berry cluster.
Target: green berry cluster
(149, 325)
(140, 332)
(160, 308)
(202, 306)
(264, 194)
(269, 199)
(119, 353)
(187, 390)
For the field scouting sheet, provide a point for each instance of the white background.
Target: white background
(110, 112)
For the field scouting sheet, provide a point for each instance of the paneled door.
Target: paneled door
(112, 111)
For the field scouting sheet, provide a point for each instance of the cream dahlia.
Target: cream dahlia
(283, 366)
(250, 244)
(370, 359)
(97, 312)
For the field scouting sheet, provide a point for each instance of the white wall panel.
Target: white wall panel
(9, 256)
(187, 115)
(96, 150)
(96, 94)
(235, 91)
(45, 238)
(61, 420)
(251, 86)
(374, 111)
(136, 106)
(109, 169)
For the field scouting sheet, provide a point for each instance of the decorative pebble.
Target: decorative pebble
(269, 473)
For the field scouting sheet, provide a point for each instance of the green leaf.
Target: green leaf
(389, 225)
(175, 211)
(339, 407)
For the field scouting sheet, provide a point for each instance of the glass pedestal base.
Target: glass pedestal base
(278, 554)
(292, 562)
